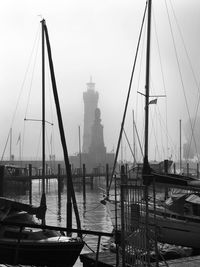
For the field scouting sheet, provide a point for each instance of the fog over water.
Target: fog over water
(98, 39)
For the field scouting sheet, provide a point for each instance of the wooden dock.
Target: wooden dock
(193, 261)
(105, 259)
(108, 259)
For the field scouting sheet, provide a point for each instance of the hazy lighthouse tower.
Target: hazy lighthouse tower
(90, 98)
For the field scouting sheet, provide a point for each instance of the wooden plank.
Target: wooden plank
(184, 262)
(106, 259)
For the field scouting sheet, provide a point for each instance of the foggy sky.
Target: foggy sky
(98, 38)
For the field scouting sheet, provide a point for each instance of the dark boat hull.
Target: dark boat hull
(179, 232)
(41, 253)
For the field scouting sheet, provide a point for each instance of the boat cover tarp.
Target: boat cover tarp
(6, 204)
(195, 199)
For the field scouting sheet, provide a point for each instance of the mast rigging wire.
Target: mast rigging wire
(163, 81)
(21, 89)
(129, 145)
(181, 78)
(192, 70)
(127, 99)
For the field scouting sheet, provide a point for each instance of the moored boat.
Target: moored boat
(132, 209)
(34, 244)
(29, 245)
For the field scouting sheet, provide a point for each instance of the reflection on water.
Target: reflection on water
(93, 214)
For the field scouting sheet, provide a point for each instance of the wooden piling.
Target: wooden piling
(84, 194)
(188, 172)
(30, 183)
(91, 181)
(166, 166)
(123, 175)
(47, 181)
(126, 168)
(2, 173)
(123, 198)
(198, 170)
(107, 179)
(174, 167)
(59, 182)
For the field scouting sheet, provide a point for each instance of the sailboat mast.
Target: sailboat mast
(146, 167)
(43, 110)
(70, 188)
(43, 199)
(146, 161)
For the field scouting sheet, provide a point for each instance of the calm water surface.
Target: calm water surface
(93, 214)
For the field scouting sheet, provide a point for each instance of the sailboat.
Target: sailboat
(40, 246)
(175, 220)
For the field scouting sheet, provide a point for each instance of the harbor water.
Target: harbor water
(93, 214)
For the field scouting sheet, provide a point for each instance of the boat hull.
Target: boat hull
(179, 232)
(48, 252)
(169, 229)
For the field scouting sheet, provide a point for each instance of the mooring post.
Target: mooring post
(188, 172)
(2, 173)
(166, 166)
(59, 182)
(123, 175)
(45, 174)
(126, 169)
(84, 195)
(97, 253)
(91, 181)
(107, 179)
(198, 170)
(69, 202)
(174, 167)
(122, 189)
(30, 183)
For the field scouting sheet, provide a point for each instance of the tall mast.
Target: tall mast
(146, 168)
(43, 199)
(43, 110)
(70, 188)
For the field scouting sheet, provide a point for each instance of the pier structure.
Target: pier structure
(20, 178)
